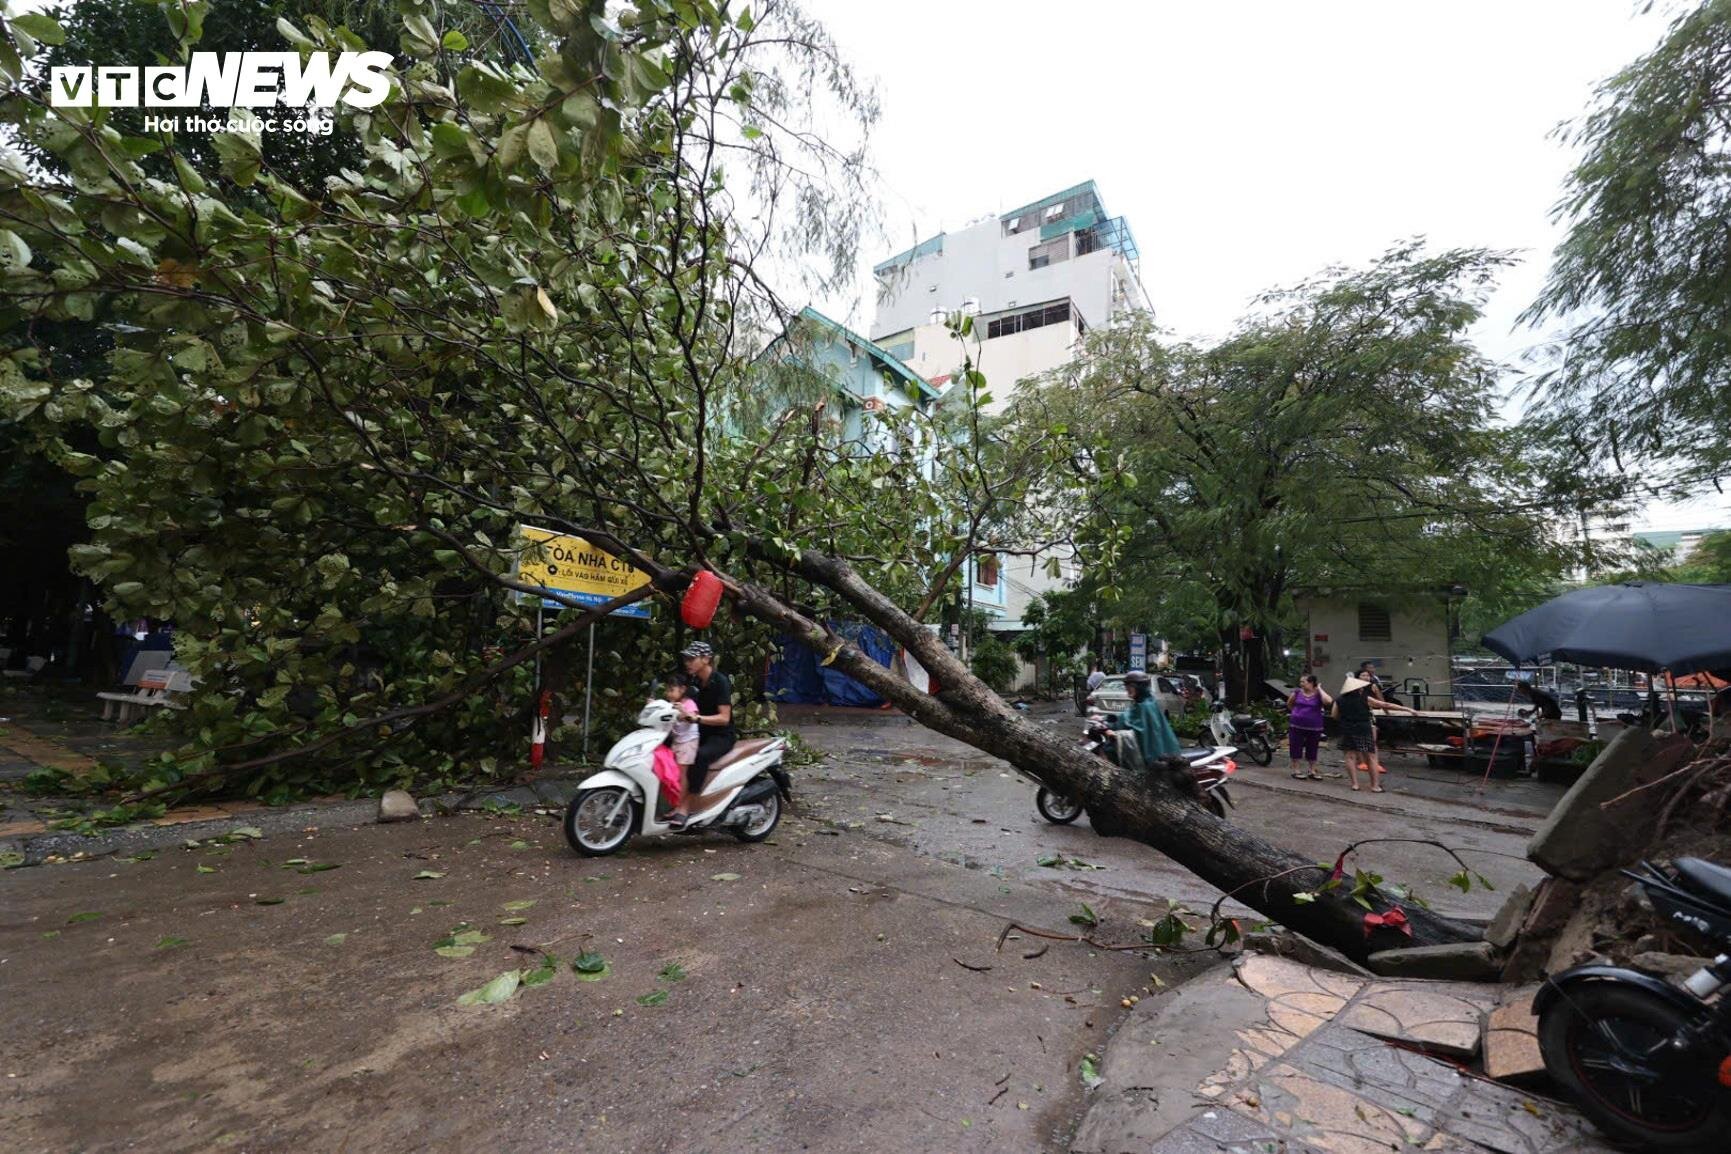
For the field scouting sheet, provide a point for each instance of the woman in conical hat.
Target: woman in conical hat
(1353, 706)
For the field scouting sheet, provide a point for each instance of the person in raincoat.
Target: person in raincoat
(1154, 736)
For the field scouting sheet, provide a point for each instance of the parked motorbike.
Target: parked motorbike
(1649, 1062)
(1251, 734)
(1210, 769)
(743, 795)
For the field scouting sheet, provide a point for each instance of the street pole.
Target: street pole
(588, 690)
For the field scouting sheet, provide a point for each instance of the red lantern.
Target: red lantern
(697, 608)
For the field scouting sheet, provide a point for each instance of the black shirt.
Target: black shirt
(1354, 711)
(711, 696)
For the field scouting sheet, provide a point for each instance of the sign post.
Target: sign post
(1139, 651)
(580, 573)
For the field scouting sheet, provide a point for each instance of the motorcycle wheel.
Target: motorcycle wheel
(1598, 1042)
(1211, 801)
(1260, 750)
(586, 826)
(764, 826)
(1055, 808)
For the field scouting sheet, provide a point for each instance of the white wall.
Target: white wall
(1418, 645)
(981, 263)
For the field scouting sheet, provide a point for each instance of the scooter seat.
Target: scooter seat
(1705, 878)
(740, 751)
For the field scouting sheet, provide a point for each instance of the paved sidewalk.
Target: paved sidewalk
(1268, 1054)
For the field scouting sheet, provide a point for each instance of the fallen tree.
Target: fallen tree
(326, 413)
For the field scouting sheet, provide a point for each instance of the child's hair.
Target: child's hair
(675, 681)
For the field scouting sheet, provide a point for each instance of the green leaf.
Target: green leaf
(14, 253)
(655, 998)
(1303, 897)
(513, 921)
(590, 966)
(42, 27)
(1090, 1071)
(428, 875)
(204, 869)
(318, 867)
(86, 916)
(454, 41)
(672, 972)
(170, 943)
(336, 939)
(251, 832)
(1086, 918)
(724, 877)
(543, 973)
(543, 147)
(453, 951)
(268, 901)
(1461, 881)
(498, 990)
(520, 904)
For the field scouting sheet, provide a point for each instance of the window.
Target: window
(1052, 252)
(987, 576)
(1373, 623)
(1053, 314)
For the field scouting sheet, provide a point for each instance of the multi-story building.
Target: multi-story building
(1035, 280)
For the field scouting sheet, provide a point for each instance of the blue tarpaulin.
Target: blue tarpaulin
(796, 678)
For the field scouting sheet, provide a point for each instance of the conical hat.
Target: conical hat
(1352, 685)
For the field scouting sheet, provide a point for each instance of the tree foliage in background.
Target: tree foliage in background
(1641, 284)
(329, 414)
(1341, 440)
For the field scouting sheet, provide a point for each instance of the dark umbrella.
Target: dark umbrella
(1639, 625)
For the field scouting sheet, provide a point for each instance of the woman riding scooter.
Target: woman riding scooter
(1155, 738)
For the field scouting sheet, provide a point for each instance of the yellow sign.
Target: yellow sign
(582, 572)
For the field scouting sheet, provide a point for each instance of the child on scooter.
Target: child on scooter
(683, 739)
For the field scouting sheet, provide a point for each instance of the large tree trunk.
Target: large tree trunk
(1159, 812)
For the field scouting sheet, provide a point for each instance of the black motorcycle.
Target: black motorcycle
(1649, 1062)
(1254, 735)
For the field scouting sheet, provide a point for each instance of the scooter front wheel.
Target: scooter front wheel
(1055, 808)
(1609, 1045)
(1261, 750)
(596, 824)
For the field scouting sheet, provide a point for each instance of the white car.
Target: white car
(1113, 696)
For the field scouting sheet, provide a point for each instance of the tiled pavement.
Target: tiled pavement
(1313, 1069)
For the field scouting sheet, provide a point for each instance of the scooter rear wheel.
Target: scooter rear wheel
(1261, 750)
(763, 826)
(1055, 808)
(587, 828)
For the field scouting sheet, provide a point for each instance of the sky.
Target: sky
(1251, 143)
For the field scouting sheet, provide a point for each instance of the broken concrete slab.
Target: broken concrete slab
(398, 805)
(1580, 839)
(1164, 1050)
(1672, 967)
(1507, 924)
(1445, 1017)
(1511, 1038)
(1554, 902)
(1298, 948)
(1455, 962)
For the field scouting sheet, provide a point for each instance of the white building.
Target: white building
(1034, 279)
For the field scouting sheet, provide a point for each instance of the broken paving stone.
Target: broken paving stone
(1456, 962)
(1511, 1038)
(398, 805)
(1507, 924)
(1446, 1022)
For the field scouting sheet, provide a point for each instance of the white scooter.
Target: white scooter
(744, 792)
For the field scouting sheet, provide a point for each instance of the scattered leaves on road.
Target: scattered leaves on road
(1087, 917)
(543, 973)
(498, 990)
(590, 966)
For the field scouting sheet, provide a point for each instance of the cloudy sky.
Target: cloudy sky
(1249, 142)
